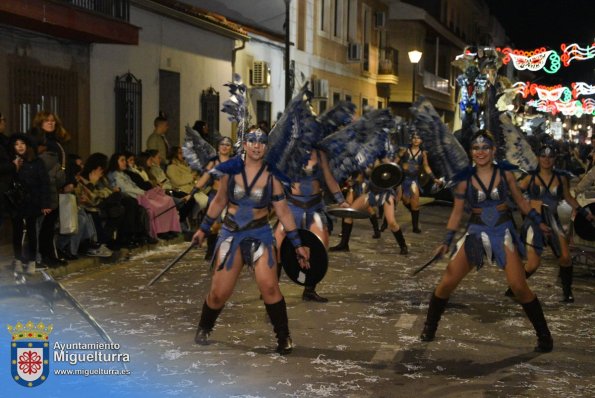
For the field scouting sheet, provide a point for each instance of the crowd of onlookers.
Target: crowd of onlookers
(107, 203)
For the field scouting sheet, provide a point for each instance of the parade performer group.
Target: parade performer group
(288, 170)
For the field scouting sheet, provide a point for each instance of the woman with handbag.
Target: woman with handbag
(29, 197)
(51, 136)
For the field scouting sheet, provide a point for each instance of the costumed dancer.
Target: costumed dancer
(354, 148)
(549, 186)
(248, 189)
(208, 181)
(304, 194)
(490, 233)
(412, 161)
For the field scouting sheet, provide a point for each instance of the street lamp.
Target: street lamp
(414, 57)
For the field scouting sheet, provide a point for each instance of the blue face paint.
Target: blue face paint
(257, 137)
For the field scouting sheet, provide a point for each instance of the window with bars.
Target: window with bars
(209, 108)
(129, 95)
(34, 88)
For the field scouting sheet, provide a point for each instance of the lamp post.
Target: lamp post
(414, 57)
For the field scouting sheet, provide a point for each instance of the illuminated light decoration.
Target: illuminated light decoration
(572, 108)
(553, 93)
(573, 52)
(582, 88)
(589, 106)
(522, 88)
(532, 60)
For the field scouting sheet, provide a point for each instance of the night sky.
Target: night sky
(532, 23)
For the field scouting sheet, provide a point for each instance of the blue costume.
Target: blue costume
(414, 165)
(308, 208)
(241, 229)
(550, 197)
(491, 228)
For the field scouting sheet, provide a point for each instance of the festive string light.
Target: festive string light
(532, 60)
(581, 88)
(537, 59)
(554, 93)
(573, 52)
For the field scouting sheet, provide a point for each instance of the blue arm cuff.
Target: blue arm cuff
(294, 238)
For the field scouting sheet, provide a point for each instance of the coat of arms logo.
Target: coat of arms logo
(29, 353)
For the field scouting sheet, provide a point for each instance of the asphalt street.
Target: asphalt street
(362, 343)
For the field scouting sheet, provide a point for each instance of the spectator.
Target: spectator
(114, 214)
(51, 135)
(183, 179)
(163, 223)
(69, 245)
(157, 140)
(7, 168)
(203, 129)
(31, 174)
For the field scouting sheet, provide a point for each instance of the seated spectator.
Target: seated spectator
(183, 179)
(161, 209)
(69, 245)
(115, 216)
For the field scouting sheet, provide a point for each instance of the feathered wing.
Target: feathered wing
(292, 137)
(336, 117)
(236, 107)
(357, 145)
(516, 147)
(197, 151)
(446, 154)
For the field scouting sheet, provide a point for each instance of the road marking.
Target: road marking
(386, 353)
(406, 321)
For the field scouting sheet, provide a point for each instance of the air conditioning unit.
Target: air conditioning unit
(320, 88)
(379, 19)
(354, 52)
(260, 74)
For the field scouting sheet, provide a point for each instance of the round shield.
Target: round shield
(583, 227)
(318, 260)
(425, 179)
(386, 175)
(341, 212)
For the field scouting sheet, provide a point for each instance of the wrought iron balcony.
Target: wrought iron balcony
(119, 9)
(436, 83)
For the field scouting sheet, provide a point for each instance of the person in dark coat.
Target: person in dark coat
(7, 168)
(31, 174)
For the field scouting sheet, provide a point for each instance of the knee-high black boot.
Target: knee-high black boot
(509, 292)
(343, 246)
(206, 324)
(278, 315)
(435, 310)
(401, 241)
(415, 221)
(374, 222)
(211, 242)
(566, 278)
(534, 312)
(311, 295)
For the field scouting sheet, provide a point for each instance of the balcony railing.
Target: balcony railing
(437, 83)
(119, 9)
(388, 63)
